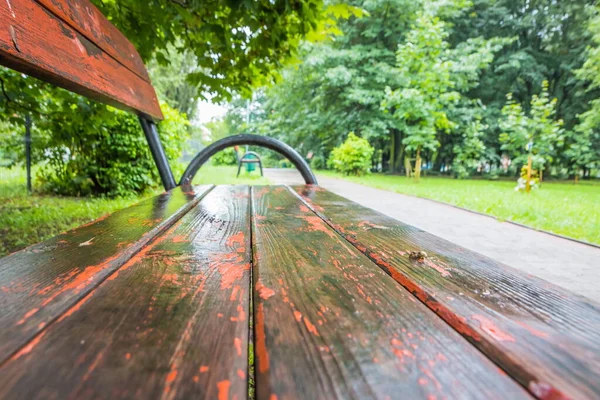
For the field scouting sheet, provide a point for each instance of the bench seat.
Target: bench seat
(281, 293)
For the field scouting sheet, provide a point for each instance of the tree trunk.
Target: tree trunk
(400, 158)
(393, 151)
(418, 165)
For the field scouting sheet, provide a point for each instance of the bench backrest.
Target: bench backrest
(71, 44)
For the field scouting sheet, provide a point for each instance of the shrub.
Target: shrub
(317, 162)
(225, 157)
(353, 157)
(94, 149)
(285, 163)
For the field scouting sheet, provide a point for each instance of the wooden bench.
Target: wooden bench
(177, 295)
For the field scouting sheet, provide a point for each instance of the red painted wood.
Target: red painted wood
(329, 323)
(35, 41)
(170, 323)
(545, 337)
(40, 283)
(84, 17)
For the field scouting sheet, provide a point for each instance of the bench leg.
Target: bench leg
(260, 166)
(158, 153)
(239, 168)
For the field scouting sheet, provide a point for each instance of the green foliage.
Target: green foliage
(430, 77)
(318, 162)
(237, 46)
(584, 149)
(353, 157)
(470, 152)
(336, 87)
(27, 219)
(170, 81)
(285, 163)
(538, 129)
(101, 151)
(225, 157)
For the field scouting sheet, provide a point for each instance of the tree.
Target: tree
(337, 85)
(171, 83)
(431, 76)
(537, 133)
(469, 152)
(584, 149)
(237, 45)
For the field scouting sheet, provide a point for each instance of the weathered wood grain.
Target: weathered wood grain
(35, 41)
(329, 323)
(84, 17)
(545, 337)
(41, 282)
(170, 323)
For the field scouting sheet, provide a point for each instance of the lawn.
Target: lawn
(565, 208)
(28, 219)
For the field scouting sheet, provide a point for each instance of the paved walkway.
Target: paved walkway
(565, 263)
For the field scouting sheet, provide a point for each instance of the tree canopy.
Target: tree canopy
(432, 77)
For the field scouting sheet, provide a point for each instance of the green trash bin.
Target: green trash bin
(250, 167)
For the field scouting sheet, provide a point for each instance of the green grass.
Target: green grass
(565, 208)
(28, 219)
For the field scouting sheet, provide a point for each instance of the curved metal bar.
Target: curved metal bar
(257, 140)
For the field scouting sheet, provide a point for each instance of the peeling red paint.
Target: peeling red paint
(203, 368)
(264, 292)
(170, 378)
(443, 271)
(297, 315)
(234, 293)
(28, 347)
(241, 374)
(491, 329)
(76, 306)
(179, 239)
(237, 240)
(223, 389)
(316, 224)
(545, 391)
(237, 342)
(261, 342)
(531, 330)
(231, 266)
(27, 315)
(311, 328)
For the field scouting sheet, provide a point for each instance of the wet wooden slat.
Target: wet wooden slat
(329, 323)
(170, 323)
(33, 40)
(84, 17)
(545, 337)
(41, 282)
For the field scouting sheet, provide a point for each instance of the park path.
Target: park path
(565, 263)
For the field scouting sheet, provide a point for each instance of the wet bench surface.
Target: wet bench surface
(280, 293)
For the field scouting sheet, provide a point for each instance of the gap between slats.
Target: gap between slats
(137, 247)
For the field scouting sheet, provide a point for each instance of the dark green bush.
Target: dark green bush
(225, 157)
(94, 149)
(285, 163)
(317, 162)
(353, 157)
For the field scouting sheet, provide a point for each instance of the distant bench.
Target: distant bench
(163, 299)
